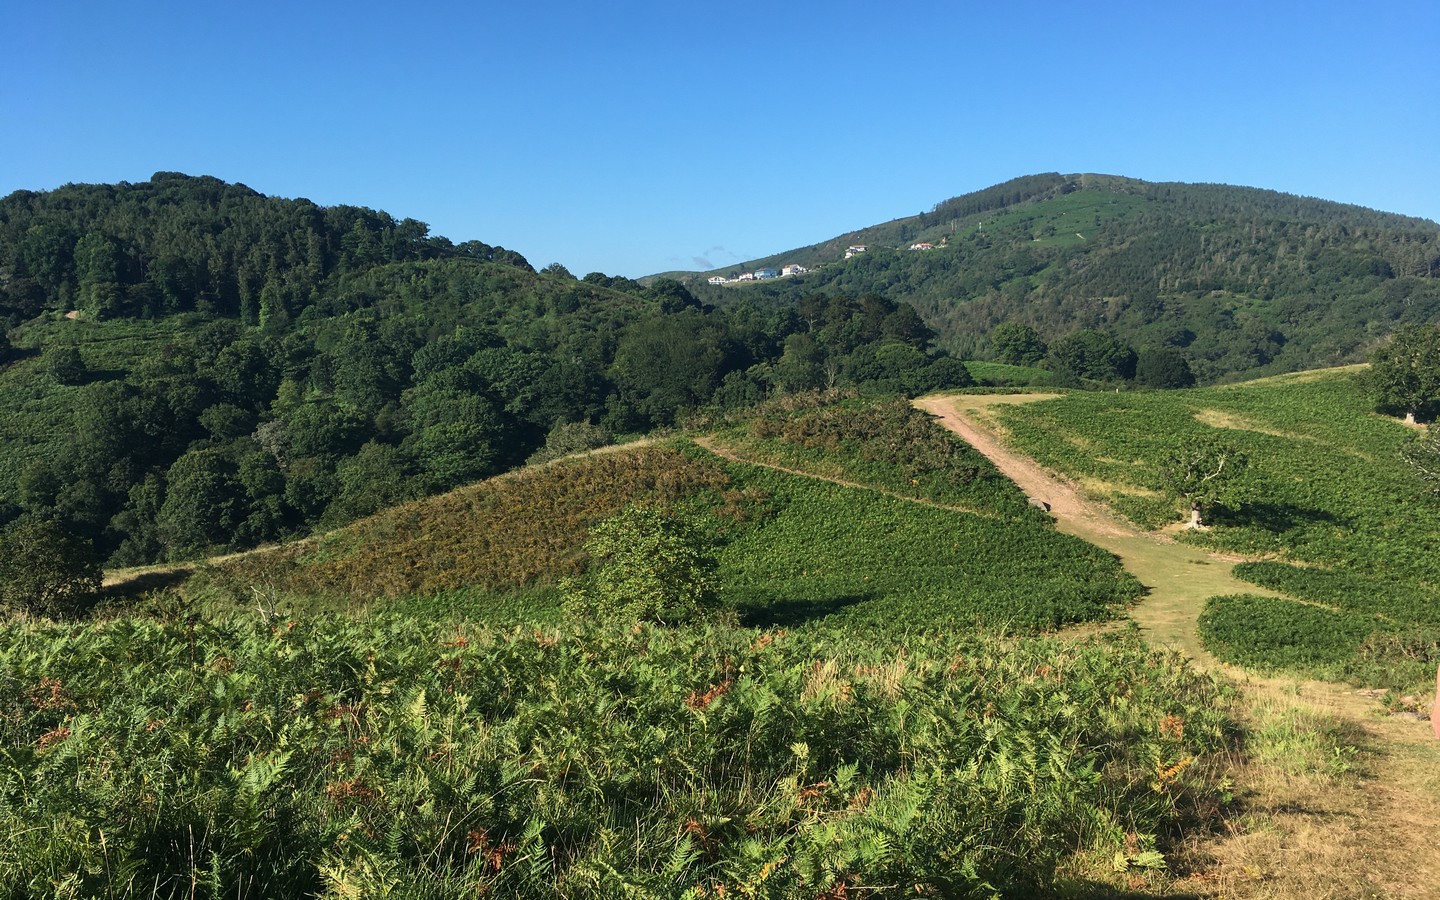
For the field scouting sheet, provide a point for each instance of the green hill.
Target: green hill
(399, 704)
(887, 528)
(1246, 281)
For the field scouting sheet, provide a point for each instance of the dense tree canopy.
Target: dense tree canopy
(1093, 354)
(44, 570)
(1204, 473)
(1018, 344)
(246, 368)
(1404, 374)
(1163, 367)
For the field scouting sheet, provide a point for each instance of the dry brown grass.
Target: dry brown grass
(1336, 800)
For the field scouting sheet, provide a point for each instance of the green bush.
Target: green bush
(45, 571)
(645, 565)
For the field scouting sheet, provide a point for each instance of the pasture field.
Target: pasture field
(1331, 514)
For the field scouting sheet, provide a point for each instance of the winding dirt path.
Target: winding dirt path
(1304, 835)
(1177, 577)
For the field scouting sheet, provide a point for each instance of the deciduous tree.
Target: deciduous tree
(46, 571)
(1204, 473)
(1423, 453)
(1404, 375)
(1018, 344)
(1163, 367)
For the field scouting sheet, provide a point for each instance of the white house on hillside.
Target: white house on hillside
(854, 249)
(789, 270)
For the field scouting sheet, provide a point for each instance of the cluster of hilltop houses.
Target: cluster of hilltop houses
(760, 275)
(787, 271)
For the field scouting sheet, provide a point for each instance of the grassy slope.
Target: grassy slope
(1335, 516)
(795, 549)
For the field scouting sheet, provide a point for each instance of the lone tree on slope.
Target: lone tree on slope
(1404, 374)
(1204, 473)
(45, 571)
(1423, 453)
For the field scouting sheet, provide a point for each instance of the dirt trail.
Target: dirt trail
(1302, 836)
(1178, 577)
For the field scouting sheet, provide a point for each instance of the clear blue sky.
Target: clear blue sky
(631, 138)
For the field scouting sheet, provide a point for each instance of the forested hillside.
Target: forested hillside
(1245, 281)
(190, 365)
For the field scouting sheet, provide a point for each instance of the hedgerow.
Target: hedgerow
(397, 756)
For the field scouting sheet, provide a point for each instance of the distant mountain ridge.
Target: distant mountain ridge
(1245, 280)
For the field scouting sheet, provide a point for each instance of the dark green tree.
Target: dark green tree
(45, 570)
(1095, 355)
(1018, 344)
(1404, 375)
(205, 503)
(673, 296)
(456, 436)
(672, 363)
(377, 477)
(97, 268)
(801, 366)
(1163, 367)
(65, 365)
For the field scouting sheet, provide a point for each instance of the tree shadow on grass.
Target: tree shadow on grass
(135, 586)
(1276, 518)
(759, 612)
